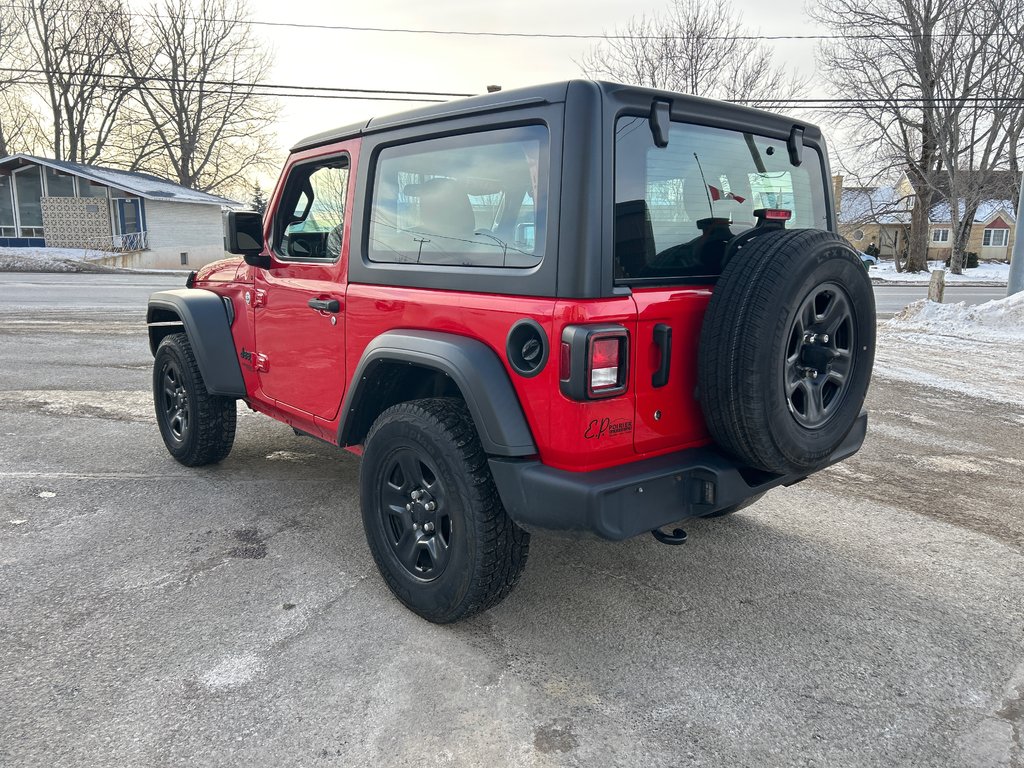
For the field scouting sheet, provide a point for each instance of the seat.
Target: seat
(634, 238)
(444, 209)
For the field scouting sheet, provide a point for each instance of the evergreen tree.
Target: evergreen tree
(259, 202)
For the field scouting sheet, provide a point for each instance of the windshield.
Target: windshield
(677, 207)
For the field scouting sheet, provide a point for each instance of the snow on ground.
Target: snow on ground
(50, 260)
(993, 320)
(977, 351)
(67, 260)
(995, 273)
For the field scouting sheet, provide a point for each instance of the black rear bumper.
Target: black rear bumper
(623, 501)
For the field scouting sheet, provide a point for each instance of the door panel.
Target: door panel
(301, 347)
(304, 349)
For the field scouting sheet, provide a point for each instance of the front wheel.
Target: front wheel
(198, 428)
(433, 519)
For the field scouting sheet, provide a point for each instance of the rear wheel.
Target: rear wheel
(786, 350)
(198, 428)
(433, 519)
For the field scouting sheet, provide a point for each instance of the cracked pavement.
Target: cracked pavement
(160, 616)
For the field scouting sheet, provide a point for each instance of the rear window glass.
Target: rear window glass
(676, 207)
(474, 200)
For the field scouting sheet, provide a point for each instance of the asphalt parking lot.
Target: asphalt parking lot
(155, 615)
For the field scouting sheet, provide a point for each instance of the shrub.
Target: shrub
(970, 260)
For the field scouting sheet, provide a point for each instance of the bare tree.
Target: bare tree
(695, 47)
(926, 82)
(11, 28)
(197, 69)
(76, 70)
(21, 128)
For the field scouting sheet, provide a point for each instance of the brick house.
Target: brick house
(141, 220)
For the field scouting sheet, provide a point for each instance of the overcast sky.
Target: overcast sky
(454, 63)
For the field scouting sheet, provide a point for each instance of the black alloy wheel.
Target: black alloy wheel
(174, 399)
(819, 356)
(415, 517)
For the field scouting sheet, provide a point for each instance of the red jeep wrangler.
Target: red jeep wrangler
(582, 307)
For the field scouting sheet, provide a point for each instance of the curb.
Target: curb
(924, 284)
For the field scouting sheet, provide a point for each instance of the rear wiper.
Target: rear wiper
(755, 153)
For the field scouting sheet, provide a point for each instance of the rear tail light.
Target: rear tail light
(594, 361)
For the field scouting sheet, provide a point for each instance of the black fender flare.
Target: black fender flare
(207, 324)
(474, 368)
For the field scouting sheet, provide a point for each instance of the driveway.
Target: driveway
(155, 615)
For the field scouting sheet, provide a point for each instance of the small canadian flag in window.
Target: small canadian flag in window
(718, 194)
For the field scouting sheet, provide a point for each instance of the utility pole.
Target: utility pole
(1015, 283)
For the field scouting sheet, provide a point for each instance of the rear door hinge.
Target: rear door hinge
(260, 362)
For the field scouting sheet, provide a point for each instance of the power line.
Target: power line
(270, 94)
(534, 35)
(230, 83)
(383, 94)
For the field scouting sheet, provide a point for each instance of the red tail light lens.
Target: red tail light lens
(605, 364)
(565, 362)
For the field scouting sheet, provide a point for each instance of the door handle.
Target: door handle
(663, 339)
(325, 305)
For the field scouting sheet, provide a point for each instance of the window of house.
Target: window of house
(28, 185)
(7, 228)
(996, 238)
(59, 184)
(89, 189)
(940, 235)
(473, 200)
(858, 235)
(311, 216)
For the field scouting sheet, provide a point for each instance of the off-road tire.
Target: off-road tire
(486, 552)
(747, 358)
(198, 428)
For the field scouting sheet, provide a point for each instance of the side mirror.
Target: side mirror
(245, 237)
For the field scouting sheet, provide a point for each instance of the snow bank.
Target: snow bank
(995, 273)
(974, 351)
(50, 260)
(994, 320)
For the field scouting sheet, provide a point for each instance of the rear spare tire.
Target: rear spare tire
(786, 349)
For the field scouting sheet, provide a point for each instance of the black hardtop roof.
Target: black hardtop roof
(548, 93)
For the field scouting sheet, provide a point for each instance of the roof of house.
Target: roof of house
(141, 184)
(987, 210)
(881, 205)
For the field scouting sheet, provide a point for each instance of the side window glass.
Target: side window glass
(473, 200)
(313, 211)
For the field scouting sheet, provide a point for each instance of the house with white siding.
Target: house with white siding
(140, 220)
